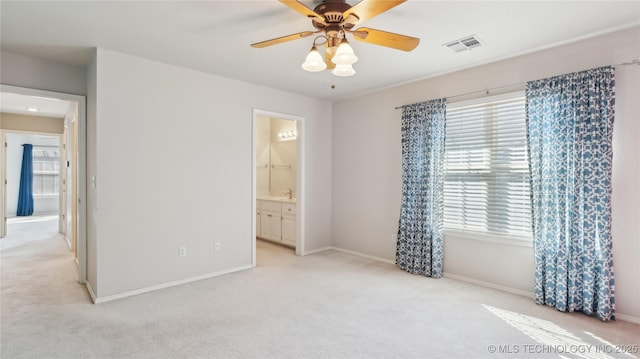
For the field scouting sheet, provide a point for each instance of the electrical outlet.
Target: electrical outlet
(216, 246)
(183, 251)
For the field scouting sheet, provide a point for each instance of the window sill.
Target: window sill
(513, 240)
(45, 196)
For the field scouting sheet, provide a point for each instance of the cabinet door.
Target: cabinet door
(265, 225)
(258, 229)
(276, 227)
(270, 225)
(289, 230)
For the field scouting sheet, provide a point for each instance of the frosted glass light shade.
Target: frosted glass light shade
(344, 54)
(314, 61)
(343, 70)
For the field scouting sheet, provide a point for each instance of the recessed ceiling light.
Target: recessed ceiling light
(32, 109)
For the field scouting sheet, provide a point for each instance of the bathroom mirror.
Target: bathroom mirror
(276, 156)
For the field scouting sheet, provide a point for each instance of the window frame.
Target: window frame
(58, 173)
(488, 236)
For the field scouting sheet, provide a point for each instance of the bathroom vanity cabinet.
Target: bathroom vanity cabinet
(276, 221)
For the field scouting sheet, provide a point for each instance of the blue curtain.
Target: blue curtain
(570, 126)
(419, 247)
(25, 196)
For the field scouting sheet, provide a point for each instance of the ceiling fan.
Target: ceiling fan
(336, 18)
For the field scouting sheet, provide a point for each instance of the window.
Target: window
(486, 188)
(46, 170)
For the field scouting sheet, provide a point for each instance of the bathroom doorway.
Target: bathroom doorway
(278, 180)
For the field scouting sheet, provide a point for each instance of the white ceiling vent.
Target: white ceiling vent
(463, 44)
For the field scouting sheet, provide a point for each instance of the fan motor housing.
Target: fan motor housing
(332, 11)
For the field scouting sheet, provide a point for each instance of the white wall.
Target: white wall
(367, 165)
(16, 122)
(92, 158)
(174, 168)
(31, 72)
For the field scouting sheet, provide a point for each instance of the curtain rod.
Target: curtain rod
(633, 62)
(487, 91)
(46, 146)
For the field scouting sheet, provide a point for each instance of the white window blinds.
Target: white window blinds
(46, 170)
(486, 185)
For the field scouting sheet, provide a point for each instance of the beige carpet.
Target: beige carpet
(328, 305)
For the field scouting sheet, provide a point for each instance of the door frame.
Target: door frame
(81, 102)
(3, 178)
(300, 177)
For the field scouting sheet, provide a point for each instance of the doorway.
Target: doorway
(71, 149)
(45, 163)
(278, 180)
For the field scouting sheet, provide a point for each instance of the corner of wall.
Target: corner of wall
(91, 200)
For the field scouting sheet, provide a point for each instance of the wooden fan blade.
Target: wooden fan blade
(301, 8)
(388, 39)
(282, 39)
(366, 9)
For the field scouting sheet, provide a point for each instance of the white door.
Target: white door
(71, 164)
(258, 227)
(62, 213)
(3, 177)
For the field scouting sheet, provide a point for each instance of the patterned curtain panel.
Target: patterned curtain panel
(570, 125)
(419, 248)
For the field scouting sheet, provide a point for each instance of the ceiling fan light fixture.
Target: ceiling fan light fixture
(314, 61)
(334, 19)
(344, 70)
(344, 54)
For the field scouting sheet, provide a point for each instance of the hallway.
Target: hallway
(38, 275)
(22, 231)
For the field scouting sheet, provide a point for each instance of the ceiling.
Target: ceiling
(214, 36)
(33, 105)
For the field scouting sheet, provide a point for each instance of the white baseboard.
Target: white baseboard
(91, 292)
(313, 251)
(380, 259)
(96, 300)
(130, 293)
(619, 316)
(627, 318)
(488, 284)
(446, 275)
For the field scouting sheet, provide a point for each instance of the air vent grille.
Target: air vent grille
(332, 17)
(464, 44)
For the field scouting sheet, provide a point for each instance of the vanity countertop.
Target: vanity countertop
(277, 198)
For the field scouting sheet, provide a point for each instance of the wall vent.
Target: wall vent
(464, 44)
